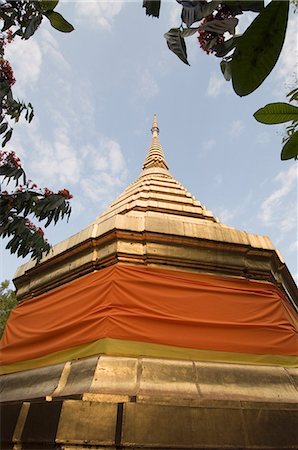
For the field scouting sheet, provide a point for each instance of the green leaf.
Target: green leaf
(57, 21)
(220, 26)
(4, 88)
(152, 7)
(247, 5)
(48, 5)
(31, 115)
(293, 95)
(176, 44)
(226, 69)
(7, 136)
(3, 127)
(194, 11)
(290, 149)
(274, 113)
(187, 32)
(259, 47)
(32, 27)
(225, 47)
(8, 22)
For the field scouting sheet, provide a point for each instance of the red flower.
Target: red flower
(47, 192)
(6, 72)
(34, 228)
(40, 232)
(30, 225)
(207, 37)
(65, 193)
(9, 37)
(10, 158)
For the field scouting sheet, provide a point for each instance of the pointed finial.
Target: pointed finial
(154, 129)
(155, 157)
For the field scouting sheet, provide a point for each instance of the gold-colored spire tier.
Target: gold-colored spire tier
(155, 156)
(157, 190)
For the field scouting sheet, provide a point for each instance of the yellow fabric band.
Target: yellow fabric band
(117, 347)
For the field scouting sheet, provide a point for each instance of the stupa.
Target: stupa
(156, 327)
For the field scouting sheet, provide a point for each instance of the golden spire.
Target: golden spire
(154, 129)
(155, 156)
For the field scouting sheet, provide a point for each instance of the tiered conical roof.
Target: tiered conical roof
(156, 189)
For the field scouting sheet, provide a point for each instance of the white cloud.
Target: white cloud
(289, 218)
(106, 168)
(226, 215)
(94, 190)
(205, 147)
(218, 179)
(272, 208)
(216, 86)
(147, 86)
(97, 171)
(28, 57)
(57, 161)
(99, 13)
(175, 15)
(17, 143)
(209, 144)
(237, 128)
(294, 247)
(50, 48)
(263, 138)
(117, 162)
(26, 60)
(106, 156)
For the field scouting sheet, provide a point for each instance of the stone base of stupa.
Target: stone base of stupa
(111, 402)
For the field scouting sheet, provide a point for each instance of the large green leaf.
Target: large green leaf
(152, 7)
(274, 113)
(259, 47)
(176, 43)
(245, 5)
(290, 149)
(58, 22)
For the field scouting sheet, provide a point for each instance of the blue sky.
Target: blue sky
(95, 92)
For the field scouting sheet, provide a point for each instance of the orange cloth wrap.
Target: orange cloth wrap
(154, 306)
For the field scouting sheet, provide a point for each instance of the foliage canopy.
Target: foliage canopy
(21, 200)
(7, 301)
(248, 58)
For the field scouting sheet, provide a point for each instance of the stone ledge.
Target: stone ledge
(161, 380)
